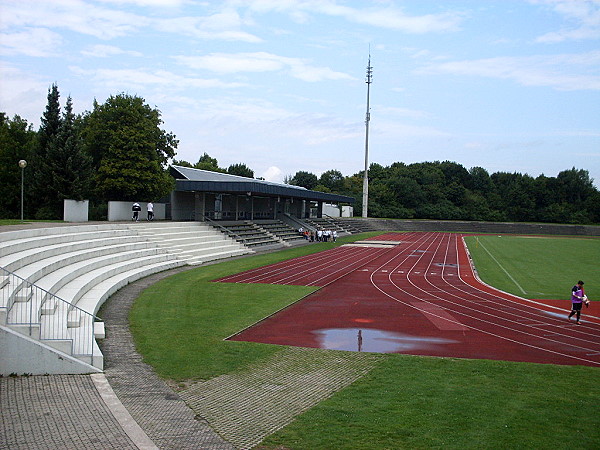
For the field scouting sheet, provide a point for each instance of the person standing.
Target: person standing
(150, 211)
(577, 294)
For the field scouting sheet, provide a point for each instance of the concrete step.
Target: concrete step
(55, 280)
(97, 295)
(75, 289)
(70, 236)
(42, 267)
(200, 259)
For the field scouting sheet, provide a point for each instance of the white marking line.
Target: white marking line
(503, 269)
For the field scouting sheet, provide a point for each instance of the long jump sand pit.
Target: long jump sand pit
(416, 295)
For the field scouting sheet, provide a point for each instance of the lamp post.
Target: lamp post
(22, 165)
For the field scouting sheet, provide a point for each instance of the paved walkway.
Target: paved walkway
(57, 412)
(161, 413)
(247, 406)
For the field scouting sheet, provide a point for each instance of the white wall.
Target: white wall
(122, 211)
(348, 211)
(331, 210)
(22, 355)
(76, 211)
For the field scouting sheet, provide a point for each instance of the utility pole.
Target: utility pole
(369, 80)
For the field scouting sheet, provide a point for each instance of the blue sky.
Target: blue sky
(279, 85)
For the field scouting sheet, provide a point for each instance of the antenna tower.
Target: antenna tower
(369, 80)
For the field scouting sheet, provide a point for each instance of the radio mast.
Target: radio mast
(369, 80)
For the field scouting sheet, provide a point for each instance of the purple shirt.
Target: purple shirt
(576, 296)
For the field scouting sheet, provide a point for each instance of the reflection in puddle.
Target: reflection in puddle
(370, 340)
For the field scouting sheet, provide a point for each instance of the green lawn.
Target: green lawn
(19, 222)
(537, 267)
(405, 402)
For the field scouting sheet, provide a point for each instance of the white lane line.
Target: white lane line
(503, 269)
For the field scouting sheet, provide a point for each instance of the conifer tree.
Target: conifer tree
(69, 166)
(40, 167)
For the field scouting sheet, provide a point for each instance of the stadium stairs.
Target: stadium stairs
(261, 235)
(54, 280)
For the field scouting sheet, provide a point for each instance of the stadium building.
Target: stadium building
(201, 194)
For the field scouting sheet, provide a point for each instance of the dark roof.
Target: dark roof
(188, 179)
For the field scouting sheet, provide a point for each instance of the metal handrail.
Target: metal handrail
(26, 304)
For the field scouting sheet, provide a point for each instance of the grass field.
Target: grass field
(406, 401)
(537, 267)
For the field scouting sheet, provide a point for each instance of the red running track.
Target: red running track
(418, 297)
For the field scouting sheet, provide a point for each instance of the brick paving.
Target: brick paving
(56, 412)
(246, 407)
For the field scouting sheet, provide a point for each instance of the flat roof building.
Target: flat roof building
(201, 194)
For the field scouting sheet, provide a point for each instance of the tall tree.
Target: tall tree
(333, 180)
(304, 179)
(207, 162)
(70, 166)
(17, 139)
(129, 149)
(50, 124)
(50, 121)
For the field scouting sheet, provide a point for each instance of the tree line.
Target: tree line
(118, 151)
(448, 191)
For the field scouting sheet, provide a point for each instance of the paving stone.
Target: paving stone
(246, 407)
(57, 412)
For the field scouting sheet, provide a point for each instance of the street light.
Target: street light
(22, 165)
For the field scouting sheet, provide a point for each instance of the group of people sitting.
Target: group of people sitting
(319, 236)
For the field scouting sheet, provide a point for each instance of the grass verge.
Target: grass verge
(422, 403)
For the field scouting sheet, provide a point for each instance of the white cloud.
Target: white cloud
(22, 93)
(568, 72)
(36, 42)
(273, 174)
(74, 15)
(583, 17)
(153, 3)
(139, 79)
(104, 51)
(225, 25)
(379, 16)
(260, 62)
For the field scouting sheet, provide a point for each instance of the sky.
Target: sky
(279, 85)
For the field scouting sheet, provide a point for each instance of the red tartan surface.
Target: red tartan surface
(418, 297)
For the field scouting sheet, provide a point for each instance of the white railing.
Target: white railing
(35, 312)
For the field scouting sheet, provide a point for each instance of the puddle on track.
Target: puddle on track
(374, 341)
